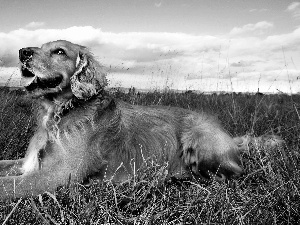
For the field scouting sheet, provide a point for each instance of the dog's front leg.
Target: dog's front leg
(30, 162)
(11, 167)
(31, 184)
(56, 173)
(37, 143)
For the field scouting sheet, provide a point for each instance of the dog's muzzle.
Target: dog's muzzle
(29, 80)
(39, 83)
(25, 54)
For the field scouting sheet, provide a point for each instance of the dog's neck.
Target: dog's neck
(56, 108)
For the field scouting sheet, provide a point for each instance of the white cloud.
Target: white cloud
(255, 29)
(258, 10)
(176, 59)
(294, 8)
(158, 4)
(10, 75)
(34, 25)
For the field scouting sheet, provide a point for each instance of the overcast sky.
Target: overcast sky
(207, 45)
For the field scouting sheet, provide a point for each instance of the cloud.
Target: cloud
(244, 63)
(34, 25)
(11, 42)
(10, 75)
(258, 10)
(149, 59)
(7, 60)
(255, 29)
(158, 4)
(294, 8)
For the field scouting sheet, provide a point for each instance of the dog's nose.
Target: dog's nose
(25, 54)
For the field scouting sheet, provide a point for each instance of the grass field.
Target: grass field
(268, 192)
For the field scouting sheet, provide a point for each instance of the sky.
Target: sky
(204, 45)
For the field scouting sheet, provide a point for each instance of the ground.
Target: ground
(267, 193)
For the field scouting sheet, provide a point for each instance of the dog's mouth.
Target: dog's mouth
(26, 72)
(39, 83)
(31, 82)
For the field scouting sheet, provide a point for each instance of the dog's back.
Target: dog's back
(192, 143)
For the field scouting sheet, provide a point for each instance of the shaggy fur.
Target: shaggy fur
(82, 132)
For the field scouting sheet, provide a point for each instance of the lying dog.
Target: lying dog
(83, 132)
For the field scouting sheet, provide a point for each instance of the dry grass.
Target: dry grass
(268, 192)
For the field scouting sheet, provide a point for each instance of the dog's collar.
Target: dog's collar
(64, 108)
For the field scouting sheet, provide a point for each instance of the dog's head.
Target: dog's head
(61, 68)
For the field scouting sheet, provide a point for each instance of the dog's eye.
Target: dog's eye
(59, 52)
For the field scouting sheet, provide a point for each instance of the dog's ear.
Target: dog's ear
(89, 77)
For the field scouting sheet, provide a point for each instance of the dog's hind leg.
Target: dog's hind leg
(208, 150)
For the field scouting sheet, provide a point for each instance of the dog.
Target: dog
(83, 132)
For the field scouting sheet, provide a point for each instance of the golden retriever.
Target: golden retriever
(83, 132)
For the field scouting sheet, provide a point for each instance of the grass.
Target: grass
(268, 192)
